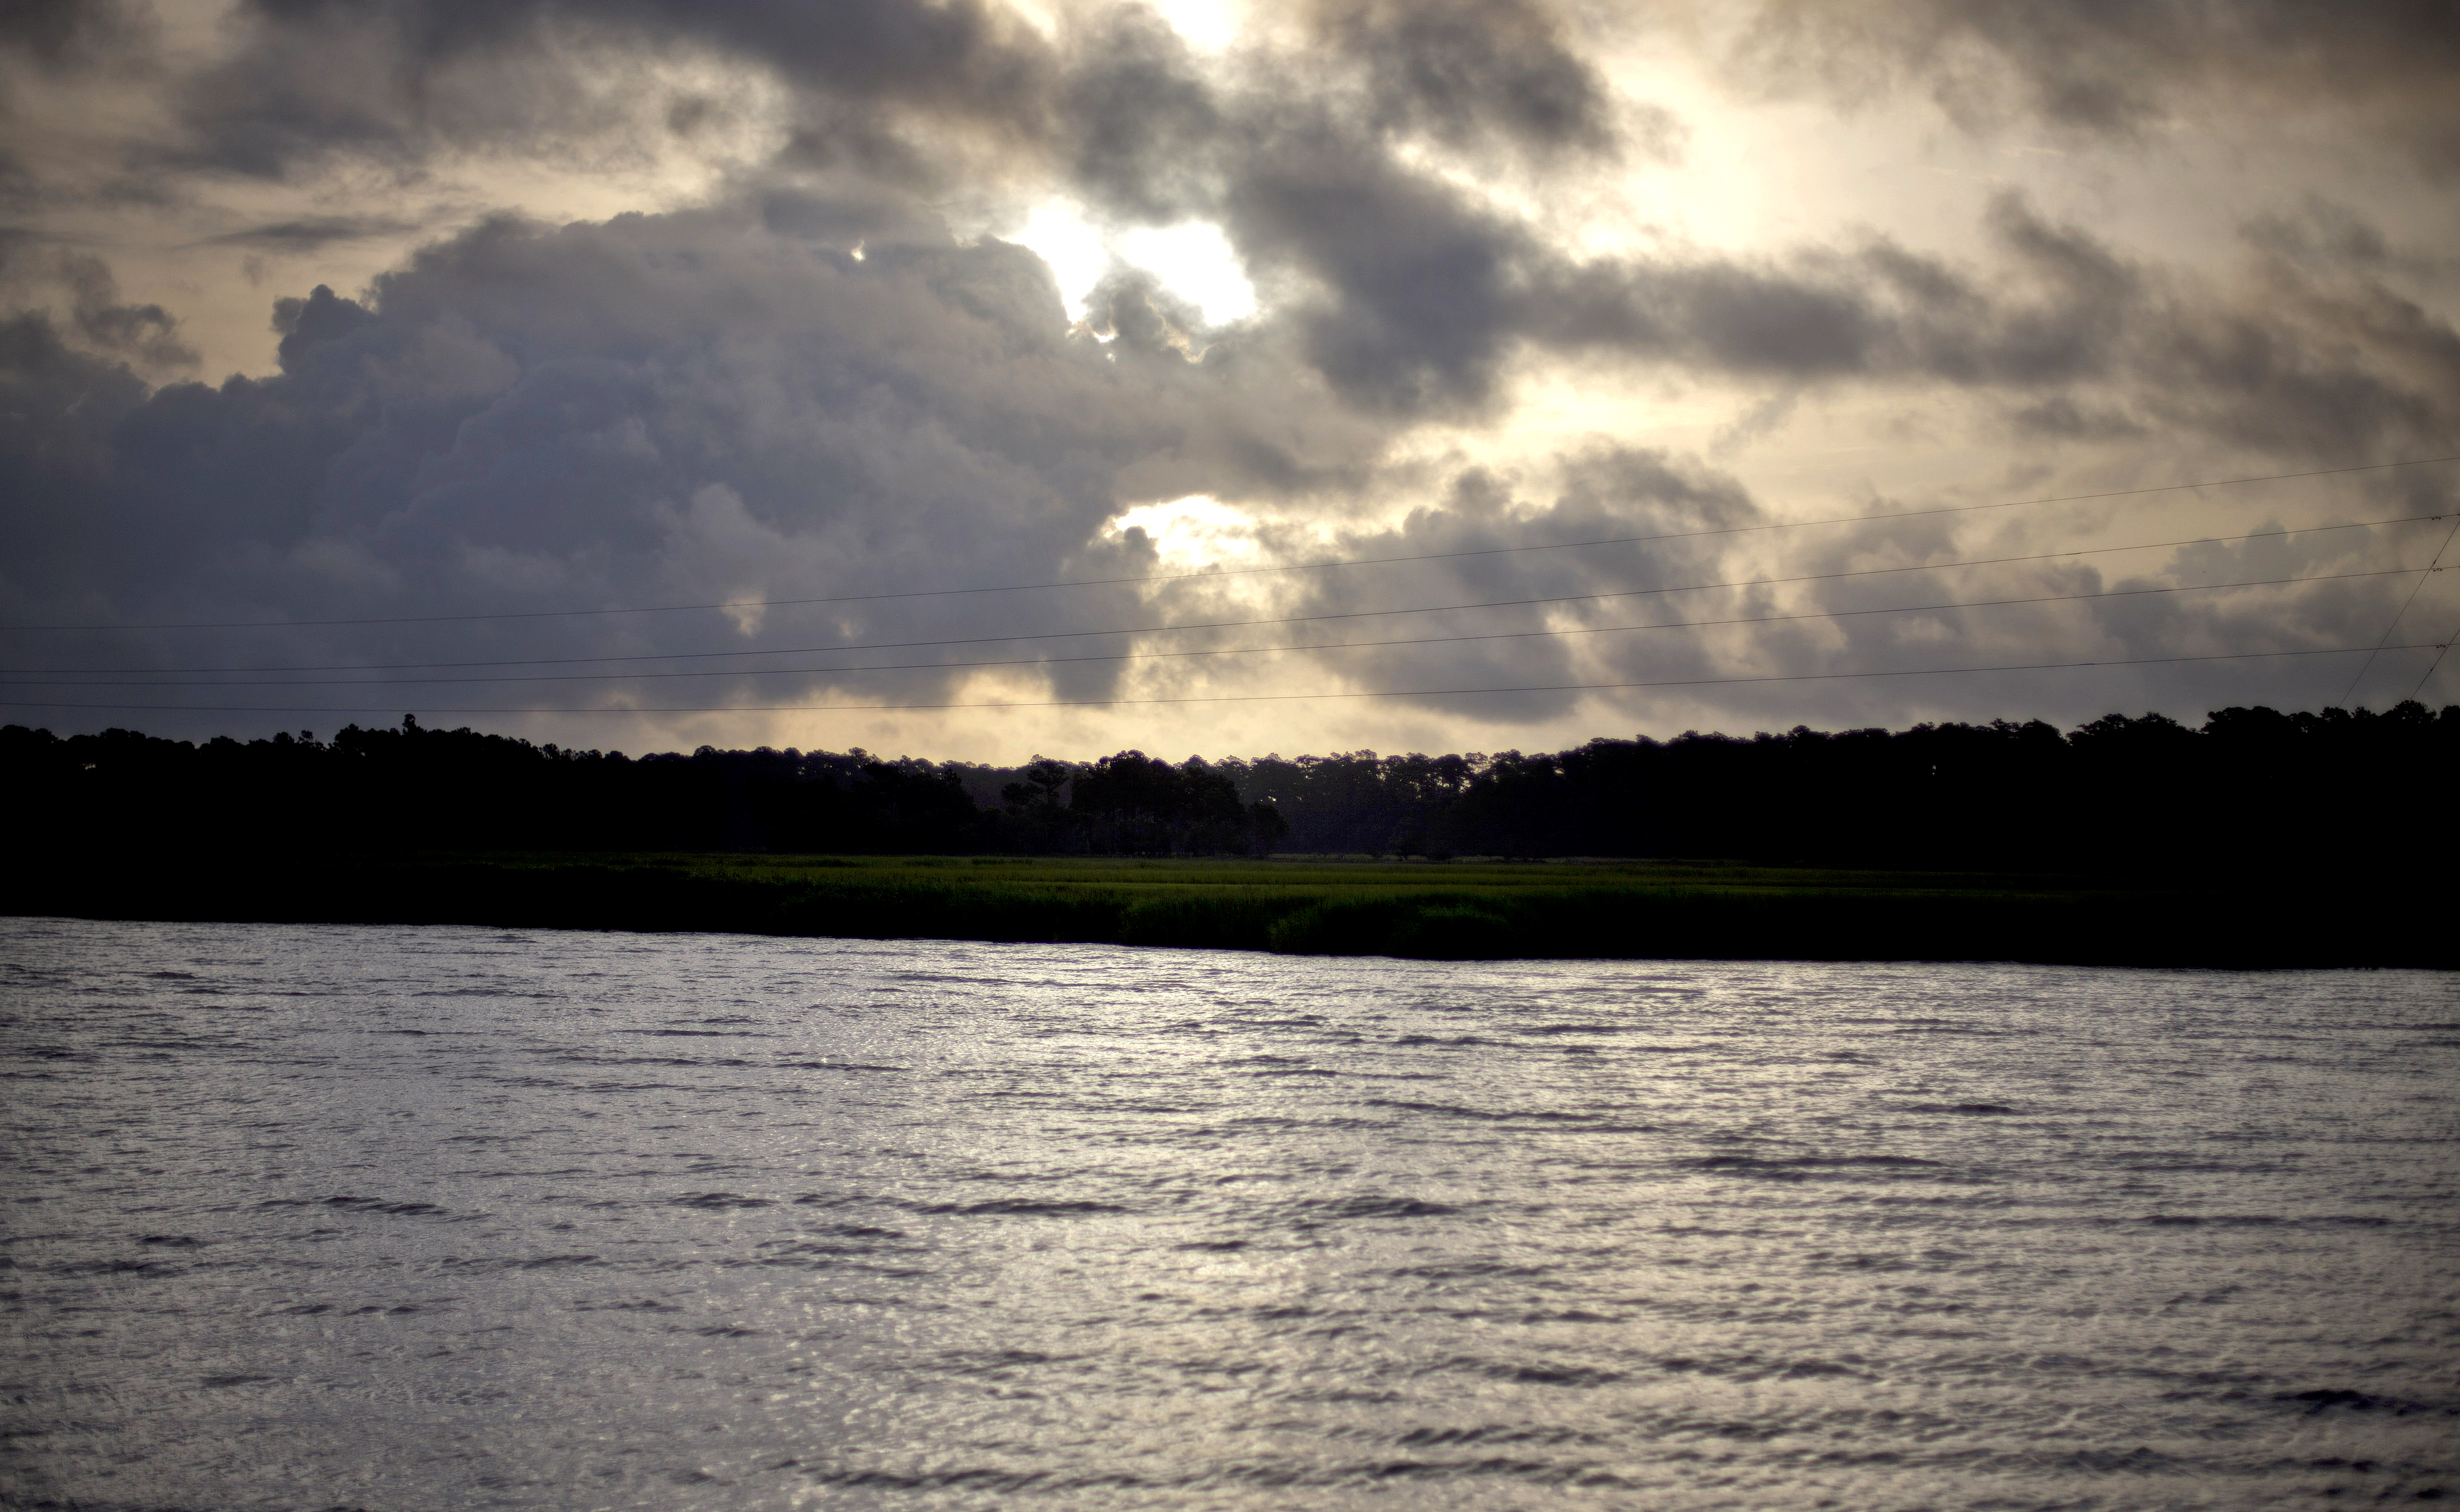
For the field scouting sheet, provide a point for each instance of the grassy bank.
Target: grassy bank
(1441, 910)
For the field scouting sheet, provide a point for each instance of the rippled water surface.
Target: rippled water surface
(392, 1217)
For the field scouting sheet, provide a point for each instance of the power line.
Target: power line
(2432, 567)
(1292, 619)
(1236, 698)
(2422, 677)
(1237, 651)
(1309, 566)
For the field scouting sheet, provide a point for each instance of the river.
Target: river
(307, 1217)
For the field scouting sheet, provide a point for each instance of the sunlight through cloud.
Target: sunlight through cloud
(1193, 533)
(1195, 261)
(1192, 260)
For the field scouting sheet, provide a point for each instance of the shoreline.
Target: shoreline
(1452, 910)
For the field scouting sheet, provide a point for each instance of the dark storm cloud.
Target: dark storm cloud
(1858, 613)
(2315, 357)
(311, 233)
(1411, 300)
(1403, 292)
(314, 78)
(82, 290)
(310, 85)
(1470, 72)
(69, 34)
(1468, 522)
(680, 409)
(1407, 296)
(2048, 313)
(145, 335)
(811, 386)
(1145, 136)
(317, 76)
(1412, 297)
(2385, 67)
(702, 407)
(1421, 293)
(1146, 133)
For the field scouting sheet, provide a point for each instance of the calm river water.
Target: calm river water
(441, 1218)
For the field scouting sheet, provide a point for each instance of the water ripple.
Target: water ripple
(410, 1219)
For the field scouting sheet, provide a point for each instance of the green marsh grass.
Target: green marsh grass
(1456, 910)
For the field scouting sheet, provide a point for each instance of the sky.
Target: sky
(978, 379)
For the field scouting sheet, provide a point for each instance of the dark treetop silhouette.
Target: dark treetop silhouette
(2251, 784)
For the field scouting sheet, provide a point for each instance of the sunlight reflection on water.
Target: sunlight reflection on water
(435, 1218)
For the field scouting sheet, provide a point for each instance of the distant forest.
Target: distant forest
(2252, 786)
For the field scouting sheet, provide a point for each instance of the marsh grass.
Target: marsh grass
(1460, 911)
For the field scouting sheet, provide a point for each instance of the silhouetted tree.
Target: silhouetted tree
(2252, 786)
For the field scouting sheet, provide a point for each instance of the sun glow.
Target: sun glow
(1207, 26)
(1192, 260)
(1193, 533)
(1195, 261)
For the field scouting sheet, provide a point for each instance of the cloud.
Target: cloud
(715, 406)
(311, 233)
(820, 372)
(82, 287)
(145, 335)
(1469, 73)
(2317, 358)
(399, 81)
(2382, 69)
(1140, 132)
(68, 36)
(878, 79)
(681, 409)
(1298, 154)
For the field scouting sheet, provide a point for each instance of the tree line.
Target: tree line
(2250, 786)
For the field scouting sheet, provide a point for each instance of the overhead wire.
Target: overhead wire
(2439, 651)
(2382, 644)
(1237, 651)
(1235, 698)
(10, 674)
(2431, 568)
(1313, 566)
